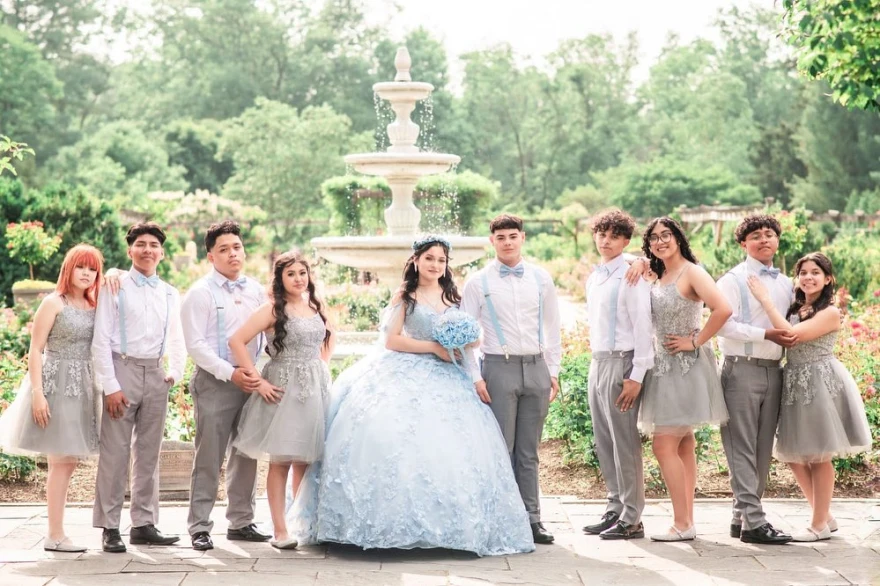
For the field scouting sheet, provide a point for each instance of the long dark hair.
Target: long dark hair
(279, 297)
(677, 232)
(826, 297)
(411, 277)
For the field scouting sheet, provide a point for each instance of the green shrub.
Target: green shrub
(569, 418)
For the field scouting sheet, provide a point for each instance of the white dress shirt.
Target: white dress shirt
(147, 309)
(199, 317)
(632, 329)
(516, 302)
(735, 333)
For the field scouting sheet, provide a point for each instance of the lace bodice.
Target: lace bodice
(672, 314)
(305, 335)
(69, 352)
(806, 360)
(419, 324)
(71, 334)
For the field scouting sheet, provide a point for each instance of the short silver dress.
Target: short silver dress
(70, 391)
(822, 415)
(682, 391)
(291, 430)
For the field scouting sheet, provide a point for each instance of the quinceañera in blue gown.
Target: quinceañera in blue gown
(413, 459)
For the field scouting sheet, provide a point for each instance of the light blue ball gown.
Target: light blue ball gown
(413, 459)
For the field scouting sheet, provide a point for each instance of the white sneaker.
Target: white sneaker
(810, 534)
(674, 534)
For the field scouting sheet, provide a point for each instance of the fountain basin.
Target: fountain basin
(403, 91)
(402, 164)
(385, 256)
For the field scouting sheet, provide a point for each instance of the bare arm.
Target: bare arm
(705, 289)
(260, 320)
(827, 320)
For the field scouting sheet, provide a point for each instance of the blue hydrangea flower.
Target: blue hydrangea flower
(454, 330)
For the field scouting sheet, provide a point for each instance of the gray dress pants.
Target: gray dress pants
(618, 443)
(752, 391)
(520, 391)
(218, 407)
(138, 434)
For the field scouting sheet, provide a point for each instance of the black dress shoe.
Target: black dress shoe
(735, 530)
(149, 535)
(112, 541)
(541, 535)
(202, 541)
(623, 530)
(766, 534)
(607, 522)
(247, 533)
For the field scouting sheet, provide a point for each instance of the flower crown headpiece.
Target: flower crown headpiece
(430, 239)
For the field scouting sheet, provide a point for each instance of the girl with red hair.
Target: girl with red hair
(56, 410)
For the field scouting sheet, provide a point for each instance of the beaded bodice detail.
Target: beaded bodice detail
(69, 346)
(302, 350)
(419, 323)
(806, 360)
(677, 315)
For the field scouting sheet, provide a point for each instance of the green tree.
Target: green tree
(281, 157)
(119, 159)
(838, 41)
(28, 88)
(697, 111)
(12, 151)
(657, 188)
(841, 150)
(193, 145)
(777, 163)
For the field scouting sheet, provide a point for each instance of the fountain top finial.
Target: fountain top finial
(402, 62)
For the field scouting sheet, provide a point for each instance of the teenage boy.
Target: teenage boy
(621, 343)
(134, 330)
(515, 303)
(213, 309)
(752, 377)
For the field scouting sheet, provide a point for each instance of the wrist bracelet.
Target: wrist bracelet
(694, 340)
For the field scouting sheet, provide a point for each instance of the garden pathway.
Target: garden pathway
(852, 556)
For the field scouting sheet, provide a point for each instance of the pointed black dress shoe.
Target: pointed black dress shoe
(247, 533)
(149, 535)
(607, 522)
(112, 541)
(623, 530)
(541, 535)
(766, 534)
(202, 541)
(736, 530)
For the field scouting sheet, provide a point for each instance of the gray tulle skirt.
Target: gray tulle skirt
(822, 415)
(685, 392)
(74, 406)
(291, 430)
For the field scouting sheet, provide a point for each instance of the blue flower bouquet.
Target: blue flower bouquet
(454, 330)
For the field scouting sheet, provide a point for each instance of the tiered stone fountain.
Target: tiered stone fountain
(401, 165)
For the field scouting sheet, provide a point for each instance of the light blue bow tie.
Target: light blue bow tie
(140, 280)
(772, 271)
(602, 270)
(240, 283)
(518, 271)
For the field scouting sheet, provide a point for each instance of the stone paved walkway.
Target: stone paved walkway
(852, 556)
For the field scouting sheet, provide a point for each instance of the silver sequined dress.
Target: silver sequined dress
(291, 430)
(683, 390)
(822, 415)
(68, 385)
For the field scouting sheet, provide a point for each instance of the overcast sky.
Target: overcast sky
(535, 27)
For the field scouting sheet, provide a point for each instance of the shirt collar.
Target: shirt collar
(615, 263)
(218, 277)
(498, 264)
(755, 266)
